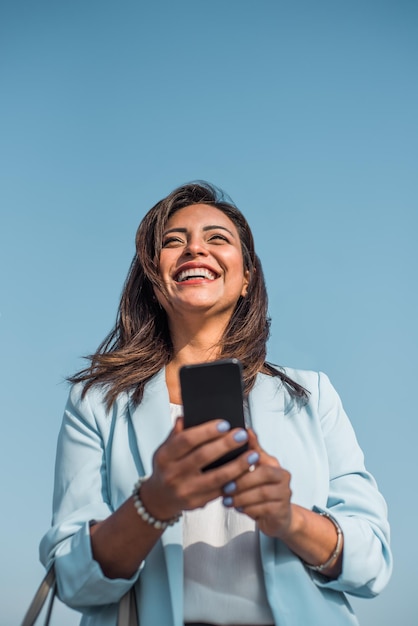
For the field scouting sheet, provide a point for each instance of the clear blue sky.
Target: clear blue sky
(306, 114)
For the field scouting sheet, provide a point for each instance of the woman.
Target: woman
(276, 536)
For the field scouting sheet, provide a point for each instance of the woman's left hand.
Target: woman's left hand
(264, 493)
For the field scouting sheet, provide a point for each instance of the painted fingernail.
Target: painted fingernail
(253, 458)
(230, 487)
(227, 501)
(239, 509)
(241, 436)
(223, 426)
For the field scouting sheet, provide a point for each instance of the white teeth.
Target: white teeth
(195, 272)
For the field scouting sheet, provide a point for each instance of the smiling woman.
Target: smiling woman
(202, 269)
(234, 544)
(141, 342)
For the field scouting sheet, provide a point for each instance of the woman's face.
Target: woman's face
(201, 263)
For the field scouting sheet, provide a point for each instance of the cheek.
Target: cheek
(164, 264)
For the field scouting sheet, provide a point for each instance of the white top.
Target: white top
(223, 580)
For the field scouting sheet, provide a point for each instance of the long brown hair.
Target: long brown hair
(139, 345)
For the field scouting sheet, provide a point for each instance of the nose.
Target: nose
(196, 247)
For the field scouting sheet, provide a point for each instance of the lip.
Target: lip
(194, 264)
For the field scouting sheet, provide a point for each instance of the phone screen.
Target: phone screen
(214, 390)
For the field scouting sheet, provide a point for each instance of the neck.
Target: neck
(195, 347)
(196, 338)
(192, 343)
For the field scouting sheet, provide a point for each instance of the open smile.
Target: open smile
(195, 273)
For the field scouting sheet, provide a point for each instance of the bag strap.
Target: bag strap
(47, 586)
(127, 610)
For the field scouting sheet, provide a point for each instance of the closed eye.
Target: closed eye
(219, 237)
(171, 242)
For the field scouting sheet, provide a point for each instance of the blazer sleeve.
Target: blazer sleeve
(80, 496)
(355, 502)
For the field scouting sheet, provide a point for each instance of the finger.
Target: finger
(231, 472)
(260, 504)
(253, 440)
(271, 518)
(262, 495)
(263, 484)
(211, 451)
(178, 425)
(194, 488)
(182, 441)
(208, 485)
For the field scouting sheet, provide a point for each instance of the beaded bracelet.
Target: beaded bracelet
(338, 547)
(144, 514)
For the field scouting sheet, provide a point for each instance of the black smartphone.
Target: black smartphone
(214, 390)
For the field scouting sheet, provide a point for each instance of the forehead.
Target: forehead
(200, 215)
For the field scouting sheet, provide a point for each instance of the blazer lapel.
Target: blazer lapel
(151, 419)
(152, 423)
(281, 431)
(285, 431)
(266, 404)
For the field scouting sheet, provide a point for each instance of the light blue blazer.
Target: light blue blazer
(101, 453)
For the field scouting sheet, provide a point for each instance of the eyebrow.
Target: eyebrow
(205, 228)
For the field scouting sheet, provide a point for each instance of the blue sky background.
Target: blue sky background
(306, 114)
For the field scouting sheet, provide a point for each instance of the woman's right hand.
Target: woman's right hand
(123, 540)
(178, 483)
